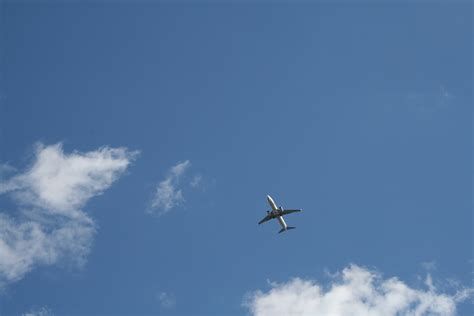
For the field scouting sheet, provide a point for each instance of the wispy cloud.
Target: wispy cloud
(43, 311)
(356, 291)
(166, 300)
(168, 194)
(429, 265)
(430, 102)
(196, 181)
(50, 224)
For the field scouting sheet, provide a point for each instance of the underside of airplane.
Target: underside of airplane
(278, 212)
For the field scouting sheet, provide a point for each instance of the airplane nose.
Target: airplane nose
(270, 200)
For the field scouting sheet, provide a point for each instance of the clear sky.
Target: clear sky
(177, 119)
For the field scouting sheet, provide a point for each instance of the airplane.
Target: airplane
(277, 212)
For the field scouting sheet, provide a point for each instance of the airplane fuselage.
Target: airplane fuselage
(272, 203)
(282, 222)
(276, 212)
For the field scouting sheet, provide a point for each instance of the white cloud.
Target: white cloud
(50, 225)
(43, 311)
(63, 183)
(179, 169)
(168, 194)
(357, 291)
(167, 301)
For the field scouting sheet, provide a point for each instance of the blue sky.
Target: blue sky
(360, 114)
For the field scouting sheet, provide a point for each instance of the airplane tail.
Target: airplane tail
(288, 228)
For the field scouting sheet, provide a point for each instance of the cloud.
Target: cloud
(430, 102)
(50, 225)
(356, 291)
(167, 301)
(168, 194)
(429, 265)
(64, 183)
(196, 181)
(43, 311)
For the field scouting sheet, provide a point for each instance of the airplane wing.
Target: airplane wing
(285, 212)
(266, 219)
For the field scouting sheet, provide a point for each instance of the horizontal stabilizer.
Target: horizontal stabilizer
(288, 228)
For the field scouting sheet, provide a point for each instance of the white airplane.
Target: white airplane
(277, 212)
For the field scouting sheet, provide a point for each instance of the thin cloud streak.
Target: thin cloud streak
(43, 311)
(168, 195)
